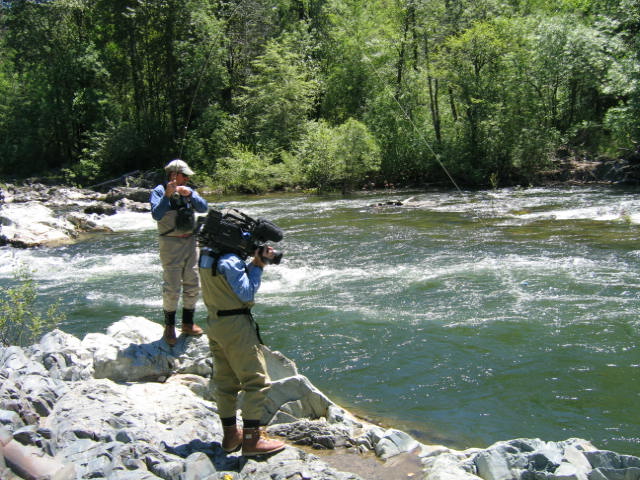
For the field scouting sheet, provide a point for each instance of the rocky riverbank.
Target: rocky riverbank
(124, 405)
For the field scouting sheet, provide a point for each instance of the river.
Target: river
(464, 318)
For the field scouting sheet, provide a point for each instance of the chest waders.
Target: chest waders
(235, 311)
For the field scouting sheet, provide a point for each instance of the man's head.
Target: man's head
(178, 170)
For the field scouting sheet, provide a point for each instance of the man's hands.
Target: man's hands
(172, 187)
(260, 253)
(177, 183)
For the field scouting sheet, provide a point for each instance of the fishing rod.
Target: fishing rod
(193, 99)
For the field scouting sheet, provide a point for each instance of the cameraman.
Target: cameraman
(229, 286)
(178, 247)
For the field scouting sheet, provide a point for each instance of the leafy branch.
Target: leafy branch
(20, 322)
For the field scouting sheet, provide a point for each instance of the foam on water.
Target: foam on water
(127, 221)
(600, 213)
(532, 204)
(77, 268)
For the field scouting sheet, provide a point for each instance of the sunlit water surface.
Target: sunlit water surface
(463, 318)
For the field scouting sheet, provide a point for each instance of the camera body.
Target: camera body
(231, 231)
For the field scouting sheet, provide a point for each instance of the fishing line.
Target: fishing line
(193, 99)
(419, 132)
(415, 127)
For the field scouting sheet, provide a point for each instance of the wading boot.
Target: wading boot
(232, 439)
(169, 334)
(255, 442)
(188, 327)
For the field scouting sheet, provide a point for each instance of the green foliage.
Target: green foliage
(212, 135)
(248, 172)
(60, 81)
(343, 156)
(357, 154)
(359, 34)
(20, 322)
(108, 153)
(315, 155)
(404, 131)
(622, 123)
(278, 97)
(490, 89)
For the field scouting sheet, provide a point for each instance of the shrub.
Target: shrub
(20, 323)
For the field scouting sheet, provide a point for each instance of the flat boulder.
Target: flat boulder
(37, 215)
(33, 224)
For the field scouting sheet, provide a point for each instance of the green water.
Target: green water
(463, 318)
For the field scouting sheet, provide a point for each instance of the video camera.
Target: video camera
(231, 231)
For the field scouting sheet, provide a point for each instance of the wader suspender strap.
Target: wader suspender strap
(214, 265)
(242, 311)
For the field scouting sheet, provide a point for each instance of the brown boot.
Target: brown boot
(188, 325)
(255, 442)
(232, 439)
(191, 329)
(169, 335)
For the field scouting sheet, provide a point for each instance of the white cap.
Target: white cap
(178, 166)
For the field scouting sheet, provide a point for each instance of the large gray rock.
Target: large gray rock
(33, 224)
(134, 194)
(533, 459)
(132, 350)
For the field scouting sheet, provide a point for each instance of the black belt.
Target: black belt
(237, 311)
(242, 311)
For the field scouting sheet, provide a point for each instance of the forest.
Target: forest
(261, 95)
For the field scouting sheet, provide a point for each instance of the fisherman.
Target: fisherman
(173, 206)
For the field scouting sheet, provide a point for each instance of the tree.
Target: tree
(245, 171)
(337, 156)
(60, 83)
(473, 63)
(315, 155)
(358, 35)
(278, 97)
(623, 119)
(357, 153)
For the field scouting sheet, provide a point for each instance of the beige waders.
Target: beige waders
(179, 258)
(238, 359)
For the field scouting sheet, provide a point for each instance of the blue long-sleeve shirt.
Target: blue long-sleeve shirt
(161, 204)
(244, 279)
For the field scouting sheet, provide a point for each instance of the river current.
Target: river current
(464, 318)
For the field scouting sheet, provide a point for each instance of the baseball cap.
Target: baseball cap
(178, 166)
